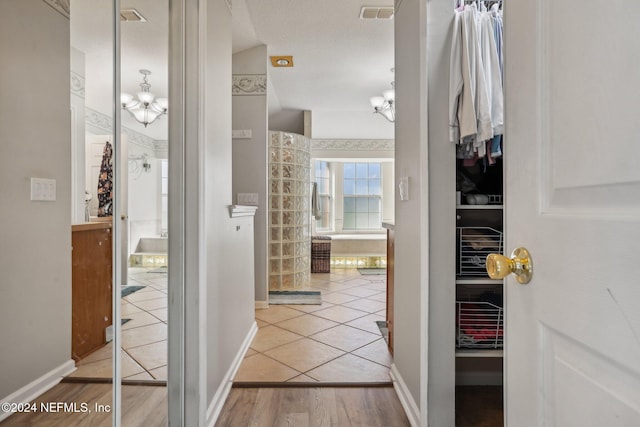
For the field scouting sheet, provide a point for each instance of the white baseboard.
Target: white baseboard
(262, 304)
(407, 401)
(213, 411)
(479, 378)
(38, 386)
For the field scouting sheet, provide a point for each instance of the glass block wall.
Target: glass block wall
(289, 211)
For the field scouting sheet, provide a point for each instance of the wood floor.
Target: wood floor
(314, 406)
(143, 406)
(479, 406)
(146, 406)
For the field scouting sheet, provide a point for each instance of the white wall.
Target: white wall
(228, 262)
(411, 256)
(250, 159)
(144, 194)
(350, 124)
(442, 223)
(35, 260)
(77, 136)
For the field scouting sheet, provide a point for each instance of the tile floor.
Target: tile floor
(338, 341)
(144, 337)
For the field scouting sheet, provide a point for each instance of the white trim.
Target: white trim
(406, 400)
(215, 407)
(242, 210)
(38, 386)
(261, 305)
(352, 145)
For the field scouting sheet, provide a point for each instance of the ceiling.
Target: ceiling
(340, 60)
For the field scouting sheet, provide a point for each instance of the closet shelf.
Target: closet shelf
(474, 352)
(486, 281)
(479, 207)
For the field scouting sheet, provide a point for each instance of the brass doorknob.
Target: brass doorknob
(520, 264)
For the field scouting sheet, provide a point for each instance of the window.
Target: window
(323, 179)
(362, 191)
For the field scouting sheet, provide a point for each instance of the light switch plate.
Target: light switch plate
(241, 134)
(250, 199)
(43, 189)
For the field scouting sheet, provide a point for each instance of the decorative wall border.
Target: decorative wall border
(352, 145)
(104, 123)
(249, 84)
(77, 84)
(61, 6)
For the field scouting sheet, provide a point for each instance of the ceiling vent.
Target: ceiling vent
(131, 15)
(376, 12)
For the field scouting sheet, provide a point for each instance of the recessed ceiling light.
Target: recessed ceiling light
(282, 61)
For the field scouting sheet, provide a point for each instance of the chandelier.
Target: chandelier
(147, 107)
(384, 104)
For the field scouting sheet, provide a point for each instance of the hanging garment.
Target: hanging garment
(491, 66)
(105, 182)
(315, 203)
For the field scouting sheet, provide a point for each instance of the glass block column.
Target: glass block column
(289, 211)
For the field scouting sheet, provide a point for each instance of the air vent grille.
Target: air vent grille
(131, 15)
(376, 12)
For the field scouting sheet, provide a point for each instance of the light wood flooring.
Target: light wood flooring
(142, 406)
(322, 406)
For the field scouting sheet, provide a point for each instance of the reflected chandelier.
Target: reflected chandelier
(384, 104)
(147, 107)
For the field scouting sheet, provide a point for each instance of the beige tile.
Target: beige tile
(142, 376)
(261, 324)
(310, 308)
(381, 297)
(338, 298)
(153, 304)
(377, 352)
(271, 336)
(367, 305)
(144, 294)
(103, 368)
(350, 368)
(161, 314)
(127, 308)
(250, 352)
(362, 292)
(141, 318)
(345, 337)
(332, 286)
(102, 353)
(377, 286)
(276, 313)
(302, 379)
(358, 281)
(150, 356)
(259, 368)
(159, 373)
(304, 354)
(340, 314)
(144, 335)
(382, 313)
(307, 324)
(367, 323)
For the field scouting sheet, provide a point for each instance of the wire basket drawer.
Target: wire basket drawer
(474, 244)
(479, 325)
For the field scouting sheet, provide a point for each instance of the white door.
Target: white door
(572, 147)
